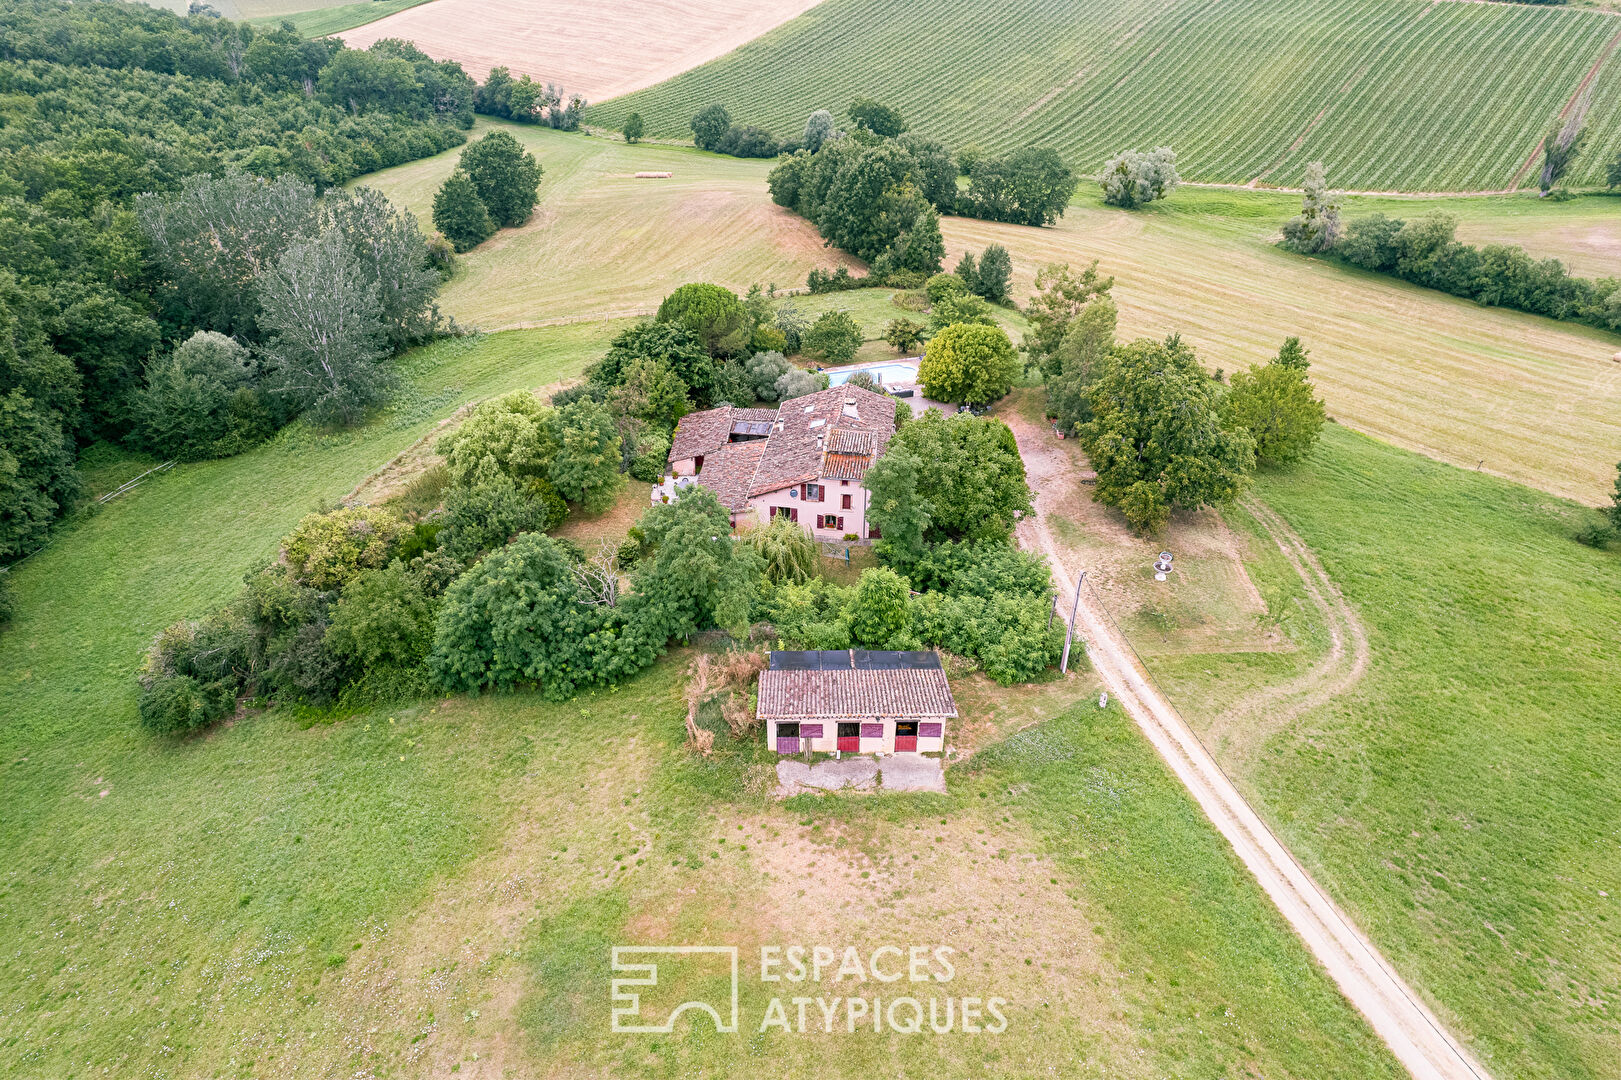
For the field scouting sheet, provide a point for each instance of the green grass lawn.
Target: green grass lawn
(323, 21)
(1462, 799)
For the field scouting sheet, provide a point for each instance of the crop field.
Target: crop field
(1391, 94)
(595, 49)
(1535, 400)
(334, 19)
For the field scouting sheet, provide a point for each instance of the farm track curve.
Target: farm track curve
(1394, 1011)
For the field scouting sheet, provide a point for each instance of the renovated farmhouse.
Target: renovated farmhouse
(855, 701)
(804, 459)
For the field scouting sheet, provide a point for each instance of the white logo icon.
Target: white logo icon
(628, 1004)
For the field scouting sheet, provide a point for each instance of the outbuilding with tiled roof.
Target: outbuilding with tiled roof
(855, 701)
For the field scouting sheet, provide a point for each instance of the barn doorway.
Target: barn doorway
(905, 735)
(850, 737)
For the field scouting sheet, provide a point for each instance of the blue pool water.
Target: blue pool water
(886, 374)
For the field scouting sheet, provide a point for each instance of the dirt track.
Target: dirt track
(1365, 977)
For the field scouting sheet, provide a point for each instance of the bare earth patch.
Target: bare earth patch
(596, 50)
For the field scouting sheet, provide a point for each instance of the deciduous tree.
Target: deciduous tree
(1131, 179)
(460, 215)
(634, 127)
(1317, 226)
(326, 346)
(506, 175)
(1274, 403)
(968, 363)
(585, 468)
(1156, 438)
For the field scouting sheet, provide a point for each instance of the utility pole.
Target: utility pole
(1063, 667)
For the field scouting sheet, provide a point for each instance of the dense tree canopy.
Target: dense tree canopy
(1156, 439)
(1275, 404)
(505, 175)
(968, 364)
(107, 101)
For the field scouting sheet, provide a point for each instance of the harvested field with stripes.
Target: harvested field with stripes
(1404, 95)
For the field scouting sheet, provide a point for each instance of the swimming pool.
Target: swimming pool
(890, 374)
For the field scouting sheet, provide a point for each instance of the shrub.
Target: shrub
(967, 363)
(834, 338)
(303, 668)
(1131, 179)
(905, 279)
(838, 280)
(903, 335)
(878, 613)
(955, 310)
(382, 618)
(177, 704)
(326, 550)
(515, 435)
(768, 338)
(193, 672)
(187, 407)
(490, 512)
(863, 380)
(652, 456)
(787, 551)
(944, 286)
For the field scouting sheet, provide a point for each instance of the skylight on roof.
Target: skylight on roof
(818, 422)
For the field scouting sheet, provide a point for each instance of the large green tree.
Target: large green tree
(1131, 179)
(1156, 438)
(514, 434)
(882, 120)
(585, 468)
(968, 363)
(1275, 404)
(460, 214)
(958, 478)
(326, 342)
(1081, 358)
(506, 175)
(710, 313)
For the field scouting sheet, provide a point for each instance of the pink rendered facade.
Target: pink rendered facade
(827, 518)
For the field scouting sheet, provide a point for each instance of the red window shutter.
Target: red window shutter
(845, 505)
(841, 522)
(793, 514)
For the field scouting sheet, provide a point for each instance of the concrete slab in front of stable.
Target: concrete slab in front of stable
(898, 772)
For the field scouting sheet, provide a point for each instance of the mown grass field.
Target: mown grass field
(603, 243)
(335, 18)
(1391, 94)
(1528, 398)
(1460, 799)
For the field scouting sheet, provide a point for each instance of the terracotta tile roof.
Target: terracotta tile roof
(846, 466)
(843, 428)
(795, 449)
(700, 432)
(856, 691)
(728, 471)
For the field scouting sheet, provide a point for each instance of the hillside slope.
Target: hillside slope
(1391, 94)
